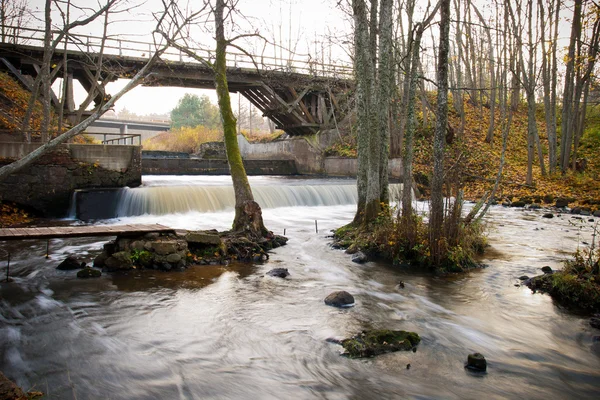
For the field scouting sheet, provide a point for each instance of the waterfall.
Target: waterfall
(161, 200)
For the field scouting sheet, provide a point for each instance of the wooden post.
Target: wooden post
(8, 268)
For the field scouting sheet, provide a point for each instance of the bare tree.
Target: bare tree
(437, 201)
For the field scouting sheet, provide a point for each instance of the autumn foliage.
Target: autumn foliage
(14, 101)
(185, 139)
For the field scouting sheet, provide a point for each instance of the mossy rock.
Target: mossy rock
(89, 273)
(379, 341)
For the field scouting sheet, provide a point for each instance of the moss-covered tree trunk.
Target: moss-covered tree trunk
(436, 220)
(248, 215)
(364, 86)
(384, 92)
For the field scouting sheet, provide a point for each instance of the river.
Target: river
(216, 332)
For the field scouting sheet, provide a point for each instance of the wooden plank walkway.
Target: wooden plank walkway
(78, 231)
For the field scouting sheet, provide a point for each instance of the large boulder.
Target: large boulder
(120, 260)
(379, 341)
(70, 263)
(165, 247)
(100, 260)
(340, 299)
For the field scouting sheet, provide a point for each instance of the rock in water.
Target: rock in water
(548, 215)
(340, 299)
(476, 362)
(547, 270)
(69, 263)
(279, 272)
(595, 322)
(89, 273)
(379, 341)
(359, 257)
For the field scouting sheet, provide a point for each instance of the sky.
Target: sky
(309, 19)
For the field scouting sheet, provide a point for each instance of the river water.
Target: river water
(233, 333)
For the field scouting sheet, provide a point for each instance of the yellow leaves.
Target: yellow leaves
(183, 139)
(11, 214)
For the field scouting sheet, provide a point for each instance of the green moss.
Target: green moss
(141, 257)
(379, 341)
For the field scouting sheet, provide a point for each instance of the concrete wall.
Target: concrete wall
(196, 166)
(308, 155)
(47, 184)
(307, 152)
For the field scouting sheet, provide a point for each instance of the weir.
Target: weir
(163, 200)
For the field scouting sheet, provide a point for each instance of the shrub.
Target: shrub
(187, 140)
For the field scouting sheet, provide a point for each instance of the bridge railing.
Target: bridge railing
(105, 138)
(140, 49)
(120, 139)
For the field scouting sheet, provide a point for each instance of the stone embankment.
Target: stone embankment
(175, 251)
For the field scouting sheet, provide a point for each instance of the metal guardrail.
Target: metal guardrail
(139, 49)
(121, 139)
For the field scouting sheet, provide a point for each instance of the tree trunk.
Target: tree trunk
(384, 93)
(364, 86)
(248, 215)
(437, 200)
(566, 139)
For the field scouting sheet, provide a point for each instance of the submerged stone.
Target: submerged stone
(340, 299)
(548, 215)
(595, 322)
(89, 273)
(476, 362)
(379, 341)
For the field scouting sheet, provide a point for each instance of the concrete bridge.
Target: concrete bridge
(123, 127)
(301, 97)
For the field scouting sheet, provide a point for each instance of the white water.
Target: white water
(160, 195)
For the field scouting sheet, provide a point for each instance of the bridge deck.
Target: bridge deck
(78, 231)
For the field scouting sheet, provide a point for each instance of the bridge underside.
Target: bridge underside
(299, 104)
